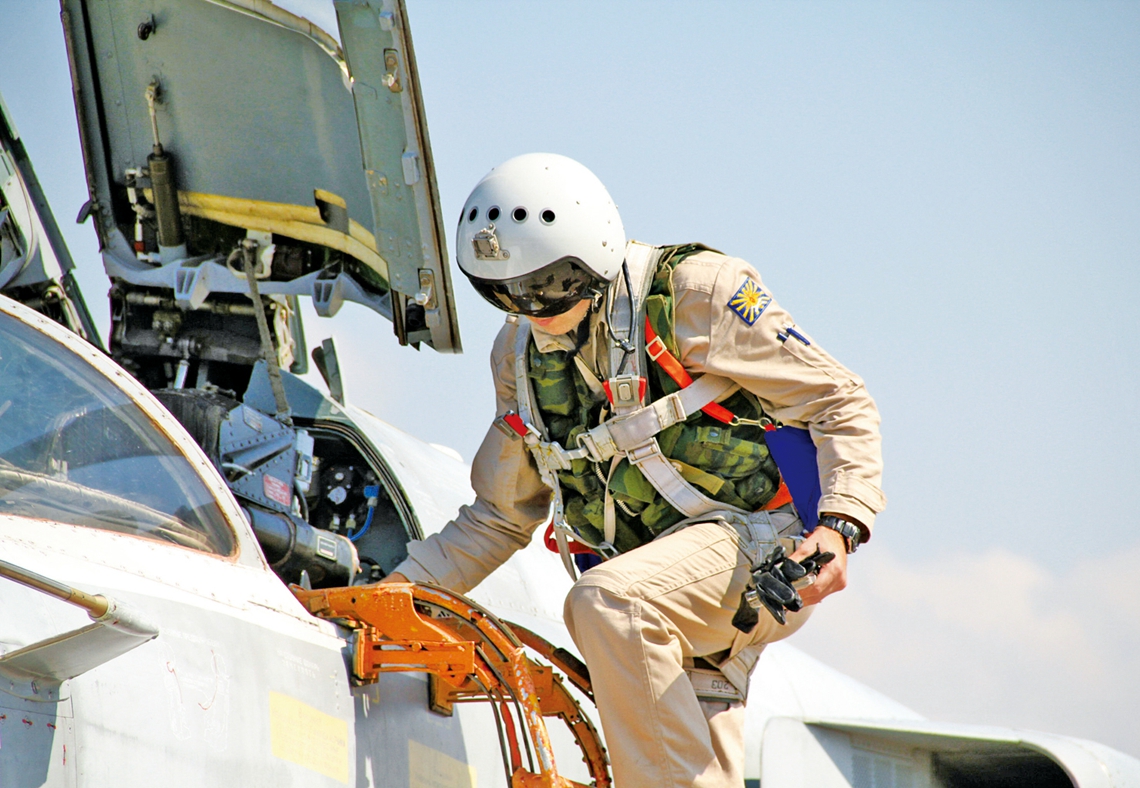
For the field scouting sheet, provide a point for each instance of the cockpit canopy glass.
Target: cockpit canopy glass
(75, 449)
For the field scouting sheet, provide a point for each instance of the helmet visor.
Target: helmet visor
(549, 291)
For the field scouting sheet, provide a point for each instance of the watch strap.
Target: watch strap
(850, 532)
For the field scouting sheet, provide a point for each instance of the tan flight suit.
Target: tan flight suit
(639, 617)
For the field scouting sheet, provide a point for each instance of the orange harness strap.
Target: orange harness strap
(668, 362)
(659, 353)
(783, 497)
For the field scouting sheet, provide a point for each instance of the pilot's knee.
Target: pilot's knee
(590, 608)
(580, 604)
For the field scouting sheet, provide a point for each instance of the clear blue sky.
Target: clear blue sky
(946, 195)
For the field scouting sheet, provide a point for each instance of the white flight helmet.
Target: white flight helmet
(538, 233)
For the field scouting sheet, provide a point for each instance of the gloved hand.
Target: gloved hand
(772, 587)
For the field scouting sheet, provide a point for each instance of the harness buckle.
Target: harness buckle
(625, 391)
(670, 410)
(606, 550)
(511, 425)
(655, 348)
(557, 458)
(597, 443)
(639, 454)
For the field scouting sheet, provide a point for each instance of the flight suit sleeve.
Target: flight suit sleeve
(728, 324)
(511, 500)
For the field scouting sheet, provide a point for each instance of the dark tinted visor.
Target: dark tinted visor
(549, 291)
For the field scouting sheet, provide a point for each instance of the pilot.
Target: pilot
(637, 390)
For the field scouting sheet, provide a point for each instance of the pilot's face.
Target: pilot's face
(565, 322)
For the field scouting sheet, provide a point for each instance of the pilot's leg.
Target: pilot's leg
(726, 732)
(635, 619)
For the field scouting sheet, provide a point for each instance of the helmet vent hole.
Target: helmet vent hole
(493, 213)
(519, 214)
(474, 213)
(548, 216)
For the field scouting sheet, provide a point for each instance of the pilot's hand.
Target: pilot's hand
(396, 577)
(833, 576)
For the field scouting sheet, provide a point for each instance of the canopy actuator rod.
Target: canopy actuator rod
(248, 251)
(167, 215)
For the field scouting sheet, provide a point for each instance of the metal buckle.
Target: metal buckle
(605, 550)
(586, 441)
(551, 454)
(558, 458)
(597, 444)
(649, 347)
(675, 408)
(511, 425)
(626, 391)
(639, 454)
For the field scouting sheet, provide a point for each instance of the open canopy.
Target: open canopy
(309, 139)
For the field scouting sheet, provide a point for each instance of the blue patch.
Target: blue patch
(749, 302)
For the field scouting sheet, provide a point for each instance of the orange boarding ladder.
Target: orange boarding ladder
(471, 656)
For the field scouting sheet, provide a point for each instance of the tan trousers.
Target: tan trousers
(635, 619)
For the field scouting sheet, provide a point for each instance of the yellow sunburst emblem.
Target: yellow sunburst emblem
(749, 301)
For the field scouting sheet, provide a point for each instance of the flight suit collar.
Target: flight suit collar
(589, 357)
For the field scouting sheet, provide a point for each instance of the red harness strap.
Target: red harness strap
(576, 548)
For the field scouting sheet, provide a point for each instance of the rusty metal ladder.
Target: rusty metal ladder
(471, 656)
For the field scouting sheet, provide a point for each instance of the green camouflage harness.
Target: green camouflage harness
(726, 467)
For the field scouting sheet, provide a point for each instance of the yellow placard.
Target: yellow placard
(307, 737)
(430, 768)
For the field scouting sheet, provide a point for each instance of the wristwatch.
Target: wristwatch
(849, 531)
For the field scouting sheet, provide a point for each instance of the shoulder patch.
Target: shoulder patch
(749, 302)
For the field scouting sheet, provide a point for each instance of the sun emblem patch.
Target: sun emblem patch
(749, 302)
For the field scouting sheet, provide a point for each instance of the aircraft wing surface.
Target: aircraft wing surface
(833, 752)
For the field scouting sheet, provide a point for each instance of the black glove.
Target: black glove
(772, 589)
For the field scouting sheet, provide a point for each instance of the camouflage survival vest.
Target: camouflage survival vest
(728, 465)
